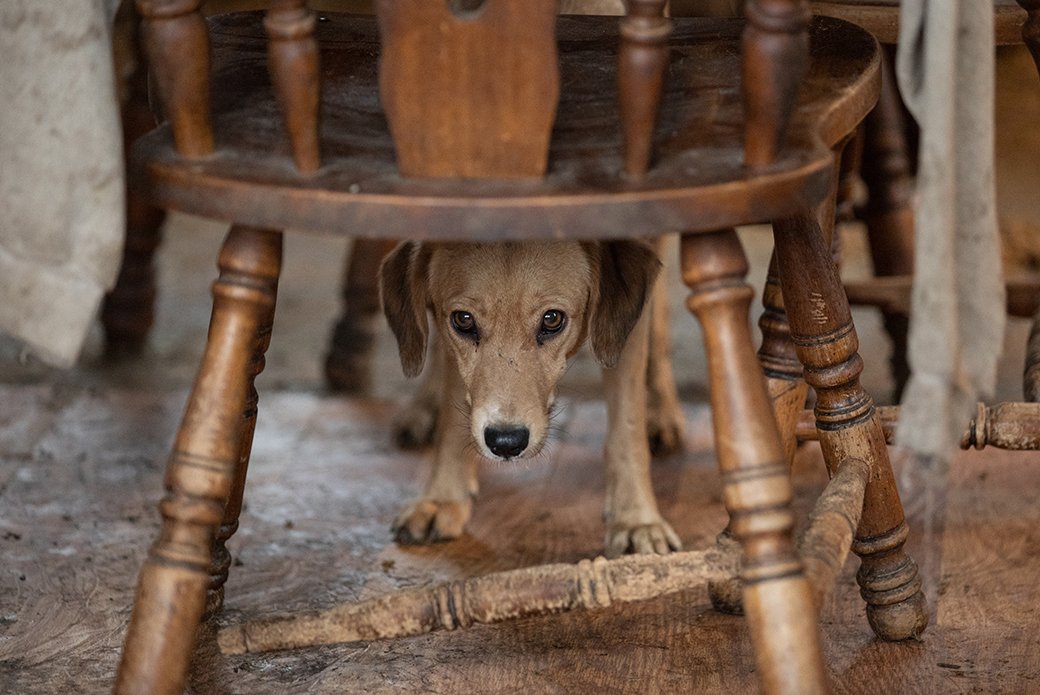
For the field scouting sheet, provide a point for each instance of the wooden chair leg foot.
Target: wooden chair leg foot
(848, 423)
(201, 473)
(890, 584)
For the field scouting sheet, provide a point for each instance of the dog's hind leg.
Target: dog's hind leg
(633, 521)
(665, 420)
(416, 425)
(446, 503)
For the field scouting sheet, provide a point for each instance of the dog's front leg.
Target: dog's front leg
(633, 522)
(446, 503)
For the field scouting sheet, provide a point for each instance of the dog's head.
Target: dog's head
(510, 315)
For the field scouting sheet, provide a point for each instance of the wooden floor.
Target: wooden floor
(81, 477)
(81, 459)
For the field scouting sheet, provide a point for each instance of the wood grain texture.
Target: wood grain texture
(699, 181)
(469, 93)
(832, 527)
(171, 590)
(489, 599)
(220, 562)
(547, 589)
(65, 621)
(779, 361)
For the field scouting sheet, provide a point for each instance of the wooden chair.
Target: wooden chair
(622, 152)
(887, 161)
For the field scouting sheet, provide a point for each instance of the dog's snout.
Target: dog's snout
(507, 441)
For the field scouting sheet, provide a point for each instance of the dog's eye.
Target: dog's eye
(553, 322)
(463, 323)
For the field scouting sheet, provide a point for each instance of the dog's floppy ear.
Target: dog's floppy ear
(402, 290)
(624, 273)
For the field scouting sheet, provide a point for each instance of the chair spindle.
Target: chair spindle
(293, 62)
(776, 58)
(177, 44)
(641, 70)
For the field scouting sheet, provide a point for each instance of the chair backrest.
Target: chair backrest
(470, 86)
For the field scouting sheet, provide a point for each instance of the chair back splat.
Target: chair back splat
(469, 88)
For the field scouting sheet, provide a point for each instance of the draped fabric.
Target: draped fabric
(945, 68)
(61, 171)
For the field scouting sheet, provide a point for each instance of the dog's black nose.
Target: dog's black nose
(506, 442)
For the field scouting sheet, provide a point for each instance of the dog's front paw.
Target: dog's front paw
(427, 521)
(665, 428)
(644, 539)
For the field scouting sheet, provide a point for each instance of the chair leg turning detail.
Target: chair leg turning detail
(848, 424)
(756, 481)
(172, 587)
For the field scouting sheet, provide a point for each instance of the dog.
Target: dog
(508, 316)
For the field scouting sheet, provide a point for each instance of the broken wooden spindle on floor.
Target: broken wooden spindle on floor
(557, 588)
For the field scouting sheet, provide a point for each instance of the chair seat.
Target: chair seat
(698, 181)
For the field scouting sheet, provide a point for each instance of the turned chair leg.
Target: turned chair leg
(848, 424)
(787, 391)
(220, 562)
(779, 361)
(128, 310)
(756, 481)
(889, 214)
(171, 589)
(348, 366)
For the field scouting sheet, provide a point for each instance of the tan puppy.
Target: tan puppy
(509, 315)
